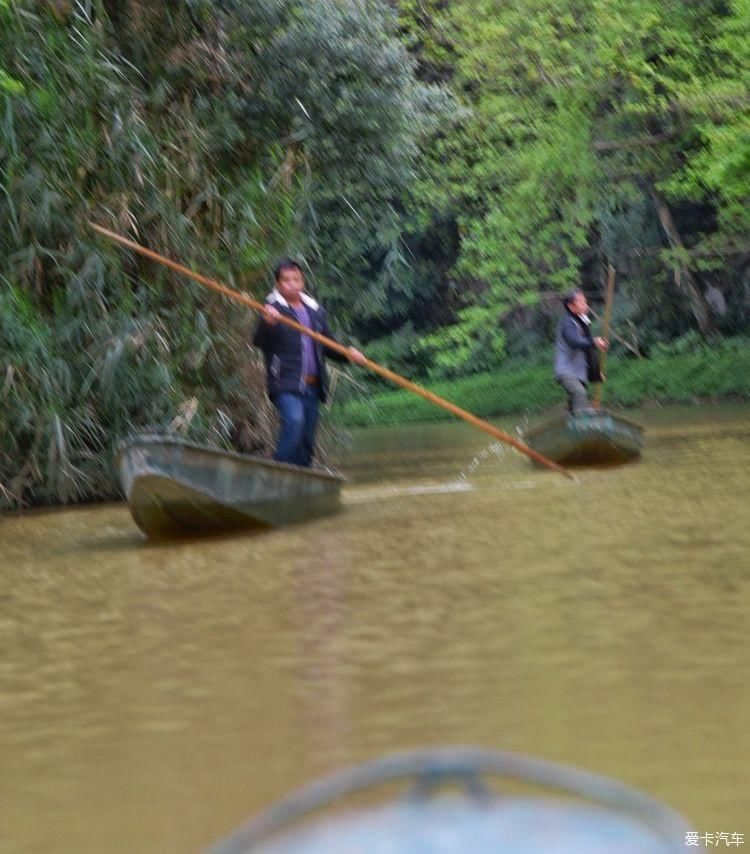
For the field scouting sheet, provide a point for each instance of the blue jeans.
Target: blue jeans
(299, 421)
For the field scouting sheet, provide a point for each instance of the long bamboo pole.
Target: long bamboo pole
(610, 298)
(240, 297)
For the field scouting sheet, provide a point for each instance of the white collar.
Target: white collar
(275, 296)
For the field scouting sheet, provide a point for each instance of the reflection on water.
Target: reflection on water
(153, 697)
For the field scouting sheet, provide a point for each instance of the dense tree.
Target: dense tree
(221, 134)
(595, 131)
(439, 228)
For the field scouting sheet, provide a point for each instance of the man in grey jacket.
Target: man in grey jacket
(576, 356)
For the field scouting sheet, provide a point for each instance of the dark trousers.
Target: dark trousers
(299, 422)
(577, 392)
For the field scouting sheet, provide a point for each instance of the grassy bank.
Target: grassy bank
(701, 374)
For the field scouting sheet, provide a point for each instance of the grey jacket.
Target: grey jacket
(575, 352)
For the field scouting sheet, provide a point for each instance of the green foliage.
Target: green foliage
(60, 417)
(527, 389)
(223, 136)
(438, 227)
(9, 85)
(401, 350)
(473, 344)
(717, 103)
(351, 113)
(690, 375)
(577, 112)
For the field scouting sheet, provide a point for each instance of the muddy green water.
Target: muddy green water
(152, 697)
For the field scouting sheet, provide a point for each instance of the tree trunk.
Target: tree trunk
(684, 278)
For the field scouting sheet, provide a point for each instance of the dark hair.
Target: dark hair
(286, 264)
(570, 296)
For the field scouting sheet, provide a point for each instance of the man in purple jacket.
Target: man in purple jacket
(576, 356)
(296, 376)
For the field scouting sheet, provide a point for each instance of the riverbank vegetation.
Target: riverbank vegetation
(674, 374)
(443, 168)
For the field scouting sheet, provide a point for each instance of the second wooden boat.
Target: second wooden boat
(177, 488)
(590, 437)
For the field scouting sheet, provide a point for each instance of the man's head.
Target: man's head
(575, 301)
(290, 280)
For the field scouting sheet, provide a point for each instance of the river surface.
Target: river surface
(153, 697)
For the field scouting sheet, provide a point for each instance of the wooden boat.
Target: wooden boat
(590, 437)
(177, 488)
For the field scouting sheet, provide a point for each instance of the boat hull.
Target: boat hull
(178, 489)
(592, 437)
(589, 814)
